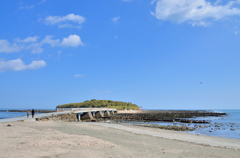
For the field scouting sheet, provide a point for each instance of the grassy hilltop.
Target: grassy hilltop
(101, 104)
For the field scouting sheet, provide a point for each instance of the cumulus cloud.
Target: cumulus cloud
(30, 43)
(27, 40)
(49, 40)
(72, 41)
(18, 65)
(70, 20)
(6, 47)
(36, 48)
(115, 20)
(69, 26)
(196, 12)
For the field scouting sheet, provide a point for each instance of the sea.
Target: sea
(226, 126)
(4, 113)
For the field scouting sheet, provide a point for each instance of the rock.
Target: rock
(9, 125)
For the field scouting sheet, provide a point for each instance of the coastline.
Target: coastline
(71, 139)
(226, 126)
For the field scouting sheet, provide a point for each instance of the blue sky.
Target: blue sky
(158, 54)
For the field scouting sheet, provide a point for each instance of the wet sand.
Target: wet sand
(88, 140)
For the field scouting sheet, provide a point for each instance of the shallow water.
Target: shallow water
(7, 114)
(11, 114)
(226, 126)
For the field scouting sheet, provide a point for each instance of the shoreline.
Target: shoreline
(195, 127)
(175, 135)
(71, 139)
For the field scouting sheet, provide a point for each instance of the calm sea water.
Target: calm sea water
(227, 126)
(15, 114)
(11, 114)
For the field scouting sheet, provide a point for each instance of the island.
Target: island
(119, 105)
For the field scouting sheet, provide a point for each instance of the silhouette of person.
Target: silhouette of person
(33, 112)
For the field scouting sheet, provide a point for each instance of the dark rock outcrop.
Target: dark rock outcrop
(166, 116)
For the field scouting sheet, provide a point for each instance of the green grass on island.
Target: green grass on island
(119, 105)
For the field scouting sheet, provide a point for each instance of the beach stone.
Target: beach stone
(62, 117)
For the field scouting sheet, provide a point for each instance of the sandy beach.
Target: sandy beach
(104, 140)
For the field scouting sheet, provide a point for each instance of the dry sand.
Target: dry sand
(103, 140)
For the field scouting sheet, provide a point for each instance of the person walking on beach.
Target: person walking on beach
(33, 112)
(28, 113)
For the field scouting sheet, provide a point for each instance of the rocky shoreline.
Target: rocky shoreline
(181, 119)
(167, 116)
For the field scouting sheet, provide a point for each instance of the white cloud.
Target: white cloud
(30, 43)
(36, 64)
(28, 39)
(49, 40)
(18, 65)
(153, 1)
(79, 75)
(69, 26)
(37, 50)
(115, 20)
(115, 37)
(126, 0)
(218, 2)
(196, 12)
(69, 20)
(6, 47)
(72, 41)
